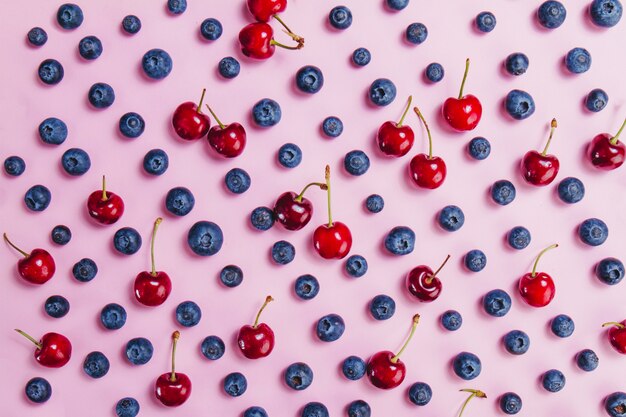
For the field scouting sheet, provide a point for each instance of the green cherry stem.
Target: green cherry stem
(430, 138)
(288, 31)
(473, 393)
(29, 337)
(104, 189)
(406, 110)
(292, 48)
(201, 100)
(268, 300)
(615, 138)
(6, 239)
(431, 277)
(175, 337)
(533, 273)
(416, 320)
(614, 323)
(222, 126)
(467, 64)
(330, 213)
(553, 126)
(317, 184)
(157, 222)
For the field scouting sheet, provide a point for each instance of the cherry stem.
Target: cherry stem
(431, 277)
(104, 189)
(201, 100)
(615, 138)
(614, 323)
(467, 64)
(301, 195)
(222, 126)
(406, 110)
(175, 337)
(556, 245)
(157, 222)
(553, 126)
(6, 239)
(430, 138)
(29, 337)
(416, 320)
(473, 393)
(289, 32)
(268, 300)
(330, 213)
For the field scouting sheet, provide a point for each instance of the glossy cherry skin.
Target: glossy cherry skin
(172, 393)
(422, 285)
(152, 290)
(462, 114)
(428, 172)
(538, 169)
(55, 351)
(605, 155)
(189, 123)
(332, 242)
(105, 211)
(229, 141)
(292, 214)
(383, 373)
(38, 267)
(263, 10)
(256, 342)
(394, 140)
(617, 337)
(537, 291)
(256, 40)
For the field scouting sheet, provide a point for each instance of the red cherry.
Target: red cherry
(189, 122)
(36, 267)
(257, 40)
(540, 168)
(423, 284)
(53, 350)
(617, 335)
(172, 388)
(427, 171)
(263, 10)
(384, 369)
(292, 210)
(227, 140)
(537, 288)
(463, 113)
(104, 206)
(606, 152)
(256, 341)
(393, 138)
(473, 393)
(152, 288)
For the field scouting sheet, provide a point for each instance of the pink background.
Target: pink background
(25, 102)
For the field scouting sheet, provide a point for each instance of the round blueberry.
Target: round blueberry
(400, 240)
(451, 320)
(14, 166)
(374, 203)
(179, 201)
(315, 409)
(266, 112)
(188, 314)
(416, 33)
(237, 181)
(356, 162)
(330, 328)
(361, 57)
(132, 125)
(356, 266)
(262, 218)
(596, 100)
(551, 14)
(61, 235)
(519, 237)
(578, 60)
(382, 307)
(38, 390)
(113, 316)
(486, 22)
(516, 63)
(37, 198)
(510, 403)
(96, 365)
(101, 95)
(593, 232)
(235, 384)
(610, 271)
(519, 104)
(57, 306)
(177, 6)
(571, 190)
(606, 14)
(466, 366)
(475, 260)
(156, 162)
(50, 71)
(332, 126)
(290, 155)
(231, 276)
(255, 412)
(587, 360)
(615, 404)
(562, 326)
(309, 79)
(53, 131)
(553, 380)
(90, 47)
(307, 287)
(139, 351)
(85, 270)
(503, 192)
(229, 67)
(205, 238)
(127, 241)
(516, 342)
(127, 407)
(69, 16)
(497, 303)
(211, 29)
(131, 24)
(75, 161)
(382, 92)
(283, 252)
(37, 36)
(420, 393)
(434, 72)
(213, 347)
(298, 376)
(397, 4)
(340, 17)
(451, 218)
(479, 148)
(156, 64)
(353, 368)
(359, 408)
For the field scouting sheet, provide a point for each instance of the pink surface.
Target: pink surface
(25, 102)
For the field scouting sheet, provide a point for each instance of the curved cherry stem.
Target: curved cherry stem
(406, 110)
(467, 64)
(175, 337)
(317, 184)
(533, 273)
(615, 138)
(473, 393)
(29, 337)
(289, 32)
(201, 100)
(614, 323)
(416, 320)
(292, 48)
(6, 239)
(222, 126)
(268, 300)
(430, 138)
(434, 274)
(157, 222)
(327, 177)
(104, 189)
(553, 126)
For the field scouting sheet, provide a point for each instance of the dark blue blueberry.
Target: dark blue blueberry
(397, 4)
(578, 60)
(332, 126)
(400, 240)
(235, 384)
(131, 24)
(38, 390)
(157, 64)
(420, 393)
(374, 203)
(610, 271)
(519, 104)
(451, 218)
(266, 112)
(551, 14)
(213, 347)
(156, 162)
(309, 79)
(205, 238)
(290, 155)
(479, 148)
(359, 408)
(139, 351)
(262, 218)
(467, 366)
(132, 125)
(188, 314)
(307, 287)
(69, 16)
(516, 342)
(37, 198)
(486, 22)
(361, 57)
(553, 380)
(211, 29)
(113, 316)
(61, 235)
(353, 368)
(587, 360)
(519, 237)
(96, 365)
(14, 166)
(229, 67)
(177, 6)
(516, 63)
(340, 17)
(90, 47)
(127, 407)
(75, 161)
(101, 95)
(593, 232)
(615, 404)
(562, 326)
(416, 33)
(451, 320)
(596, 100)
(255, 412)
(283, 252)
(37, 36)
(382, 92)
(475, 260)
(56, 306)
(127, 241)
(298, 376)
(503, 192)
(571, 190)
(606, 14)
(497, 303)
(356, 162)
(50, 71)
(179, 201)
(382, 307)
(330, 328)
(53, 131)
(237, 181)
(434, 72)
(85, 270)
(315, 409)
(510, 403)
(231, 276)
(356, 266)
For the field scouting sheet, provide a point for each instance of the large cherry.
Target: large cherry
(53, 350)
(257, 41)
(606, 151)
(152, 288)
(537, 288)
(423, 283)
(617, 335)
(256, 341)
(36, 267)
(188, 120)
(227, 140)
(427, 171)
(263, 10)
(463, 113)
(292, 210)
(473, 393)
(173, 388)
(104, 206)
(396, 139)
(384, 369)
(540, 168)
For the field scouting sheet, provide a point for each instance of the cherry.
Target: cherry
(606, 152)
(540, 168)
(257, 40)
(537, 288)
(188, 120)
(463, 113)
(172, 388)
(384, 369)
(227, 140)
(427, 171)
(617, 335)
(473, 393)
(104, 206)
(292, 210)
(423, 283)
(53, 350)
(263, 10)
(332, 240)
(36, 267)
(256, 341)
(393, 138)
(152, 288)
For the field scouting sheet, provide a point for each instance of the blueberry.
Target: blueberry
(605, 13)
(420, 393)
(229, 67)
(96, 365)
(307, 287)
(266, 112)
(237, 181)
(127, 241)
(156, 162)
(37, 198)
(231, 276)
(593, 232)
(416, 33)
(340, 17)
(113, 316)
(139, 351)
(516, 63)
(213, 347)
(353, 368)
(90, 47)
(298, 376)
(57, 306)
(53, 131)
(69, 16)
(315, 409)
(156, 64)
(475, 260)
(37, 36)
(374, 203)
(610, 271)
(14, 166)
(359, 408)
(451, 320)
(479, 148)
(330, 328)
(451, 218)
(510, 403)
(50, 71)
(382, 307)
(332, 126)
(255, 412)
(179, 201)
(382, 92)
(75, 161)
(466, 366)
(85, 270)
(587, 360)
(101, 95)
(519, 237)
(356, 162)
(434, 72)
(38, 390)
(131, 24)
(562, 325)
(61, 235)
(400, 240)
(188, 314)
(235, 384)
(519, 104)
(553, 380)
(571, 190)
(205, 238)
(262, 218)
(486, 22)
(516, 342)
(615, 404)
(309, 79)
(578, 60)
(290, 155)
(132, 125)
(596, 100)
(177, 6)
(356, 266)
(361, 57)
(503, 192)
(397, 4)
(551, 14)
(283, 252)
(127, 407)
(211, 29)
(497, 303)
